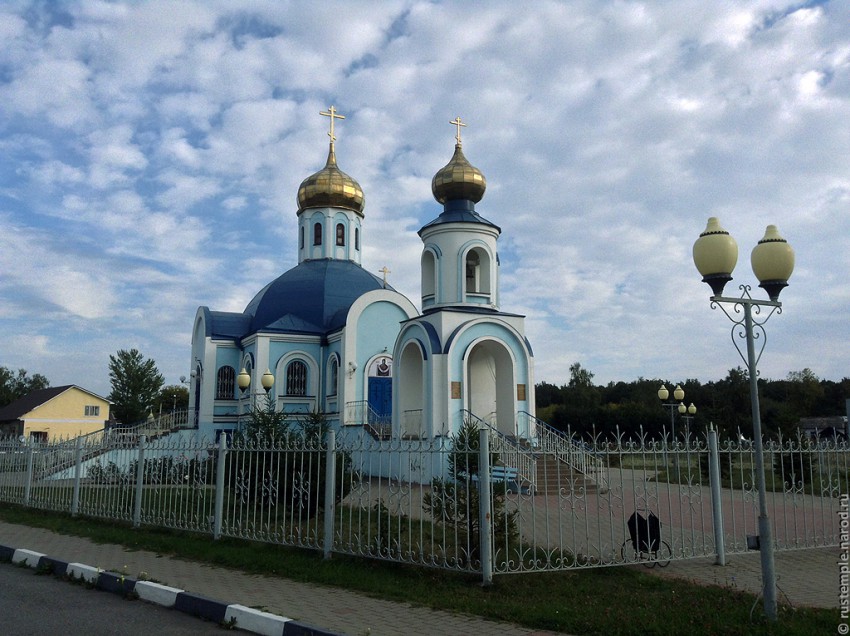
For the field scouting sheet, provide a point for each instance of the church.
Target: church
(332, 337)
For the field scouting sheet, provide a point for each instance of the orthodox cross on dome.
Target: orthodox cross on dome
(331, 112)
(384, 270)
(458, 123)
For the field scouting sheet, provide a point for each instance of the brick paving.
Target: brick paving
(804, 578)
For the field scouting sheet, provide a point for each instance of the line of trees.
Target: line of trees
(14, 386)
(584, 407)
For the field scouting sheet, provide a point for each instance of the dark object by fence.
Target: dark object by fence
(645, 532)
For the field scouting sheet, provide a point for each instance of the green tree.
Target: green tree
(805, 392)
(580, 377)
(279, 459)
(174, 397)
(136, 383)
(455, 501)
(14, 387)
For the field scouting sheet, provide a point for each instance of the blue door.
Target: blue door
(381, 398)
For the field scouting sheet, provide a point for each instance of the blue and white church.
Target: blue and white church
(330, 336)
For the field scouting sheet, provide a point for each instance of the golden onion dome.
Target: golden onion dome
(331, 187)
(458, 179)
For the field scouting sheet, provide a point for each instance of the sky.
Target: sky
(152, 153)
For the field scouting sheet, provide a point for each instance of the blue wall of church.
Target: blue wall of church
(377, 330)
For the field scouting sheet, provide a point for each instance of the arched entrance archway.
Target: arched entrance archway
(490, 381)
(412, 393)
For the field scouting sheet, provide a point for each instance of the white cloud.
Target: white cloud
(152, 153)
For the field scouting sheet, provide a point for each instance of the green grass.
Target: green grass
(595, 601)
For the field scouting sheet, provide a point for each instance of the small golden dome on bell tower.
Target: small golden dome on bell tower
(458, 179)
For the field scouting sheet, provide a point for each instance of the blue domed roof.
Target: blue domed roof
(313, 297)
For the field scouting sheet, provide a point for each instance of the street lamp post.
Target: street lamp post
(243, 381)
(688, 416)
(678, 395)
(715, 256)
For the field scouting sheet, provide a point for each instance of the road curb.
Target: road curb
(229, 614)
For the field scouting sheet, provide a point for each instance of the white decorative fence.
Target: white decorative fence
(425, 502)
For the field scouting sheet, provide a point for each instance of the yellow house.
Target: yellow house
(61, 412)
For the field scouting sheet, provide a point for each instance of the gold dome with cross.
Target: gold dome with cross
(458, 179)
(330, 186)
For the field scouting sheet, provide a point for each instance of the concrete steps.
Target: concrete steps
(555, 477)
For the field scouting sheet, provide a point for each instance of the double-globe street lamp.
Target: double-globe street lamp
(243, 381)
(715, 256)
(678, 405)
(688, 416)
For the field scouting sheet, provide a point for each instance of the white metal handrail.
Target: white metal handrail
(154, 426)
(568, 450)
(511, 453)
(360, 413)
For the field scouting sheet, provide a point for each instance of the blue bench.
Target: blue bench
(503, 475)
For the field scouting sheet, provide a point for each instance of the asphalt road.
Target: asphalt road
(40, 604)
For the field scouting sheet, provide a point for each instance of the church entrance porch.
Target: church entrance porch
(489, 370)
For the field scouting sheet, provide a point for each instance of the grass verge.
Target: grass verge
(621, 600)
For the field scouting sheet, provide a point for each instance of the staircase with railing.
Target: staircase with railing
(564, 451)
(359, 413)
(511, 452)
(153, 427)
(54, 458)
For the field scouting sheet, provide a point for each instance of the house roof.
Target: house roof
(34, 399)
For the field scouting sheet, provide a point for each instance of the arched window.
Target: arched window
(317, 234)
(296, 378)
(333, 377)
(357, 238)
(340, 234)
(428, 270)
(473, 262)
(225, 384)
(301, 238)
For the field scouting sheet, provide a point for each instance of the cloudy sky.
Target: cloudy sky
(152, 153)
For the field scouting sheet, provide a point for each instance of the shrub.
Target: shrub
(277, 461)
(455, 501)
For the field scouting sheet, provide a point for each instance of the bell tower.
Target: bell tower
(460, 265)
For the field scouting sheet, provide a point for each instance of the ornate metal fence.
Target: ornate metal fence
(452, 503)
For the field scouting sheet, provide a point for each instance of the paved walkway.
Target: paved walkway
(804, 578)
(330, 608)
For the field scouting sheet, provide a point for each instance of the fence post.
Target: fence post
(716, 506)
(219, 486)
(484, 509)
(140, 481)
(28, 485)
(330, 491)
(78, 472)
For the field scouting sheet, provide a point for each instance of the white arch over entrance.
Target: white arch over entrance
(489, 375)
